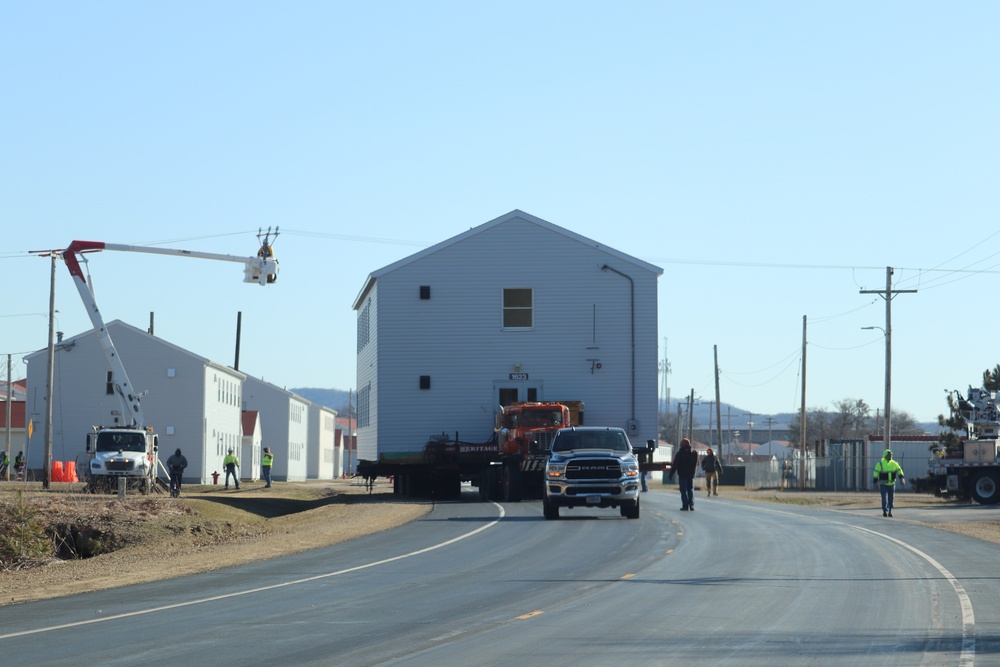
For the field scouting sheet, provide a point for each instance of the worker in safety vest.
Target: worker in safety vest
(265, 466)
(886, 473)
(231, 463)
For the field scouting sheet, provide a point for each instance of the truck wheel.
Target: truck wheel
(631, 511)
(512, 483)
(550, 511)
(985, 488)
(493, 483)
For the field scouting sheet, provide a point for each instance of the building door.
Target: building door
(509, 391)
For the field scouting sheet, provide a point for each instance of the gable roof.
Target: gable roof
(119, 324)
(513, 215)
(249, 421)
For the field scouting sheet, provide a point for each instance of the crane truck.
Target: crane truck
(127, 449)
(969, 466)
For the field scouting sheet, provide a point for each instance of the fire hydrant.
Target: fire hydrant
(215, 477)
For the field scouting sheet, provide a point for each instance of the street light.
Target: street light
(886, 417)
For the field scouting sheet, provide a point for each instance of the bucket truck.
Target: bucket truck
(128, 448)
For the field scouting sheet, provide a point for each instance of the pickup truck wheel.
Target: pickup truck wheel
(550, 511)
(985, 488)
(631, 511)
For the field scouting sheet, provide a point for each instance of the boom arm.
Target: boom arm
(262, 269)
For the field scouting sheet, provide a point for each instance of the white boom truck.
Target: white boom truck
(128, 448)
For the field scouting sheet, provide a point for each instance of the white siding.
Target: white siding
(320, 450)
(178, 405)
(284, 427)
(579, 347)
(223, 422)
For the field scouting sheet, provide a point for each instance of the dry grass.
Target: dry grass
(157, 537)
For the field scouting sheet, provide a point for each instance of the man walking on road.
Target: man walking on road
(685, 464)
(712, 467)
(886, 472)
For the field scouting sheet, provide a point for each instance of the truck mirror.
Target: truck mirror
(651, 445)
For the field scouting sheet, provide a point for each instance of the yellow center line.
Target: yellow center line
(628, 576)
(529, 615)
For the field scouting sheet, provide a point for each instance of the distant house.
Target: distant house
(284, 427)
(347, 438)
(322, 453)
(194, 404)
(250, 446)
(516, 309)
(18, 431)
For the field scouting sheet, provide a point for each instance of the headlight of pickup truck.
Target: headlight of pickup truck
(631, 469)
(555, 470)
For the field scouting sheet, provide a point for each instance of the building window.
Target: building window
(425, 381)
(364, 406)
(517, 308)
(363, 323)
(425, 292)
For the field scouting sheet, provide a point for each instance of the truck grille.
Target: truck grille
(120, 465)
(593, 469)
(591, 490)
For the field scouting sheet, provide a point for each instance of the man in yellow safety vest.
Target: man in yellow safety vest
(231, 463)
(886, 472)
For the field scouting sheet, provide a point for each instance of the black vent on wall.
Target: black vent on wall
(425, 381)
(425, 292)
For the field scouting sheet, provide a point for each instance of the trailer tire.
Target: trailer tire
(493, 483)
(549, 510)
(448, 487)
(985, 488)
(512, 483)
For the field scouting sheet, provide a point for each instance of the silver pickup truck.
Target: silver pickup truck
(591, 466)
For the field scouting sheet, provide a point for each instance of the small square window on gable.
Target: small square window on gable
(425, 292)
(425, 381)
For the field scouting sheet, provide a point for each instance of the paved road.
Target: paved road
(732, 583)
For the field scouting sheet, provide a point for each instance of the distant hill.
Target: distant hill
(335, 399)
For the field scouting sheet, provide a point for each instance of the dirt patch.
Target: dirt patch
(148, 538)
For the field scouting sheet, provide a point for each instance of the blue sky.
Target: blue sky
(772, 157)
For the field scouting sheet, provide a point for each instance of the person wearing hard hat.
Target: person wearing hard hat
(231, 463)
(885, 475)
(266, 461)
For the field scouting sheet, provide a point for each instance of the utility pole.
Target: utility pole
(350, 432)
(49, 389)
(770, 421)
(718, 404)
(665, 371)
(802, 415)
(10, 399)
(690, 426)
(887, 294)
